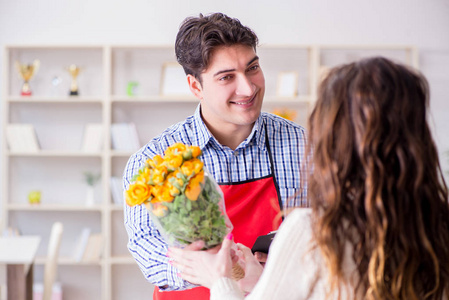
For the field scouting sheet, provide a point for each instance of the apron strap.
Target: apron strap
(276, 185)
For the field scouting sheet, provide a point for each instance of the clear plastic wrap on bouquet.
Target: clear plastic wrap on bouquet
(183, 221)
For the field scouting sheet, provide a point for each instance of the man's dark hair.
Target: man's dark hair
(199, 36)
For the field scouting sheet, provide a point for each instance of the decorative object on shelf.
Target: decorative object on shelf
(22, 138)
(93, 138)
(184, 201)
(131, 88)
(81, 244)
(124, 137)
(11, 231)
(94, 248)
(34, 197)
(55, 83)
(286, 113)
(287, 84)
(74, 71)
(26, 72)
(174, 80)
(91, 180)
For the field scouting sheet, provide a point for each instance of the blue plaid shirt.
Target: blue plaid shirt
(249, 161)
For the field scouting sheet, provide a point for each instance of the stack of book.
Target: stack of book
(89, 246)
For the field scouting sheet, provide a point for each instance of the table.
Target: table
(18, 253)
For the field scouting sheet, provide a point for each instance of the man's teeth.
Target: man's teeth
(246, 102)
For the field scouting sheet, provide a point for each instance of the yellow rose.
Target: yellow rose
(137, 193)
(174, 191)
(191, 152)
(174, 179)
(156, 161)
(193, 191)
(187, 168)
(156, 191)
(173, 161)
(161, 194)
(197, 165)
(166, 196)
(196, 151)
(159, 174)
(198, 178)
(159, 210)
(176, 148)
(144, 176)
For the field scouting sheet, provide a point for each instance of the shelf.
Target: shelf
(52, 153)
(118, 99)
(302, 99)
(68, 261)
(116, 207)
(52, 207)
(366, 47)
(43, 99)
(123, 260)
(115, 153)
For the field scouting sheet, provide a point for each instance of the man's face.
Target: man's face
(232, 89)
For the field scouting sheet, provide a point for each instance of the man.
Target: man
(254, 157)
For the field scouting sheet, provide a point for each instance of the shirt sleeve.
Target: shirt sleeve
(145, 242)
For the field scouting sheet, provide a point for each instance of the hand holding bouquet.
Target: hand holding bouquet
(184, 202)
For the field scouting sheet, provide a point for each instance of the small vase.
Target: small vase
(90, 196)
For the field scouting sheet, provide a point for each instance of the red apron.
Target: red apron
(253, 207)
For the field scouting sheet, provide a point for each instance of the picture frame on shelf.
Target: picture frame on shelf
(173, 80)
(124, 137)
(22, 138)
(287, 84)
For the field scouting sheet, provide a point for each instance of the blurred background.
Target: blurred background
(423, 25)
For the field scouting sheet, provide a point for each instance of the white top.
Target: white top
(18, 249)
(291, 268)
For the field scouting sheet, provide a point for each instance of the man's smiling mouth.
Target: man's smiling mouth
(246, 102)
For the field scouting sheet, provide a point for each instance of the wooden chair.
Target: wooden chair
(51, 265)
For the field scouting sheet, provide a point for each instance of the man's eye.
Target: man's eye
(227, 77)
(253, 68)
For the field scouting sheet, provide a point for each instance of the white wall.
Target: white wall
(418, 22)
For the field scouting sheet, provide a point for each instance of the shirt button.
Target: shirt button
(236, 153)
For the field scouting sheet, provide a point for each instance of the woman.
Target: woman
(378, 227)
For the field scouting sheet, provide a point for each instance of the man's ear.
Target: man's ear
(195, 86)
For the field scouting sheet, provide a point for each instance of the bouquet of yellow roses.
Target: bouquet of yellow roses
(183, 200)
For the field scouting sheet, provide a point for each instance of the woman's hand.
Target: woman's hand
(203, 267)
(251, 265)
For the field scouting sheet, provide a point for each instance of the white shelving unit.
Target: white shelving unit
(59, 120)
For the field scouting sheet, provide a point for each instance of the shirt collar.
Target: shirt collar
(204, 135)
(257, 134)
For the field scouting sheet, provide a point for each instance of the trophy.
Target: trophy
(26, 72)
(74, 70)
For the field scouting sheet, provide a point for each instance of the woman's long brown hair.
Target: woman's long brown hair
(377, 183)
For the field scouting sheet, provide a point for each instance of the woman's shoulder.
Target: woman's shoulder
(296, 226)
(299, 215)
